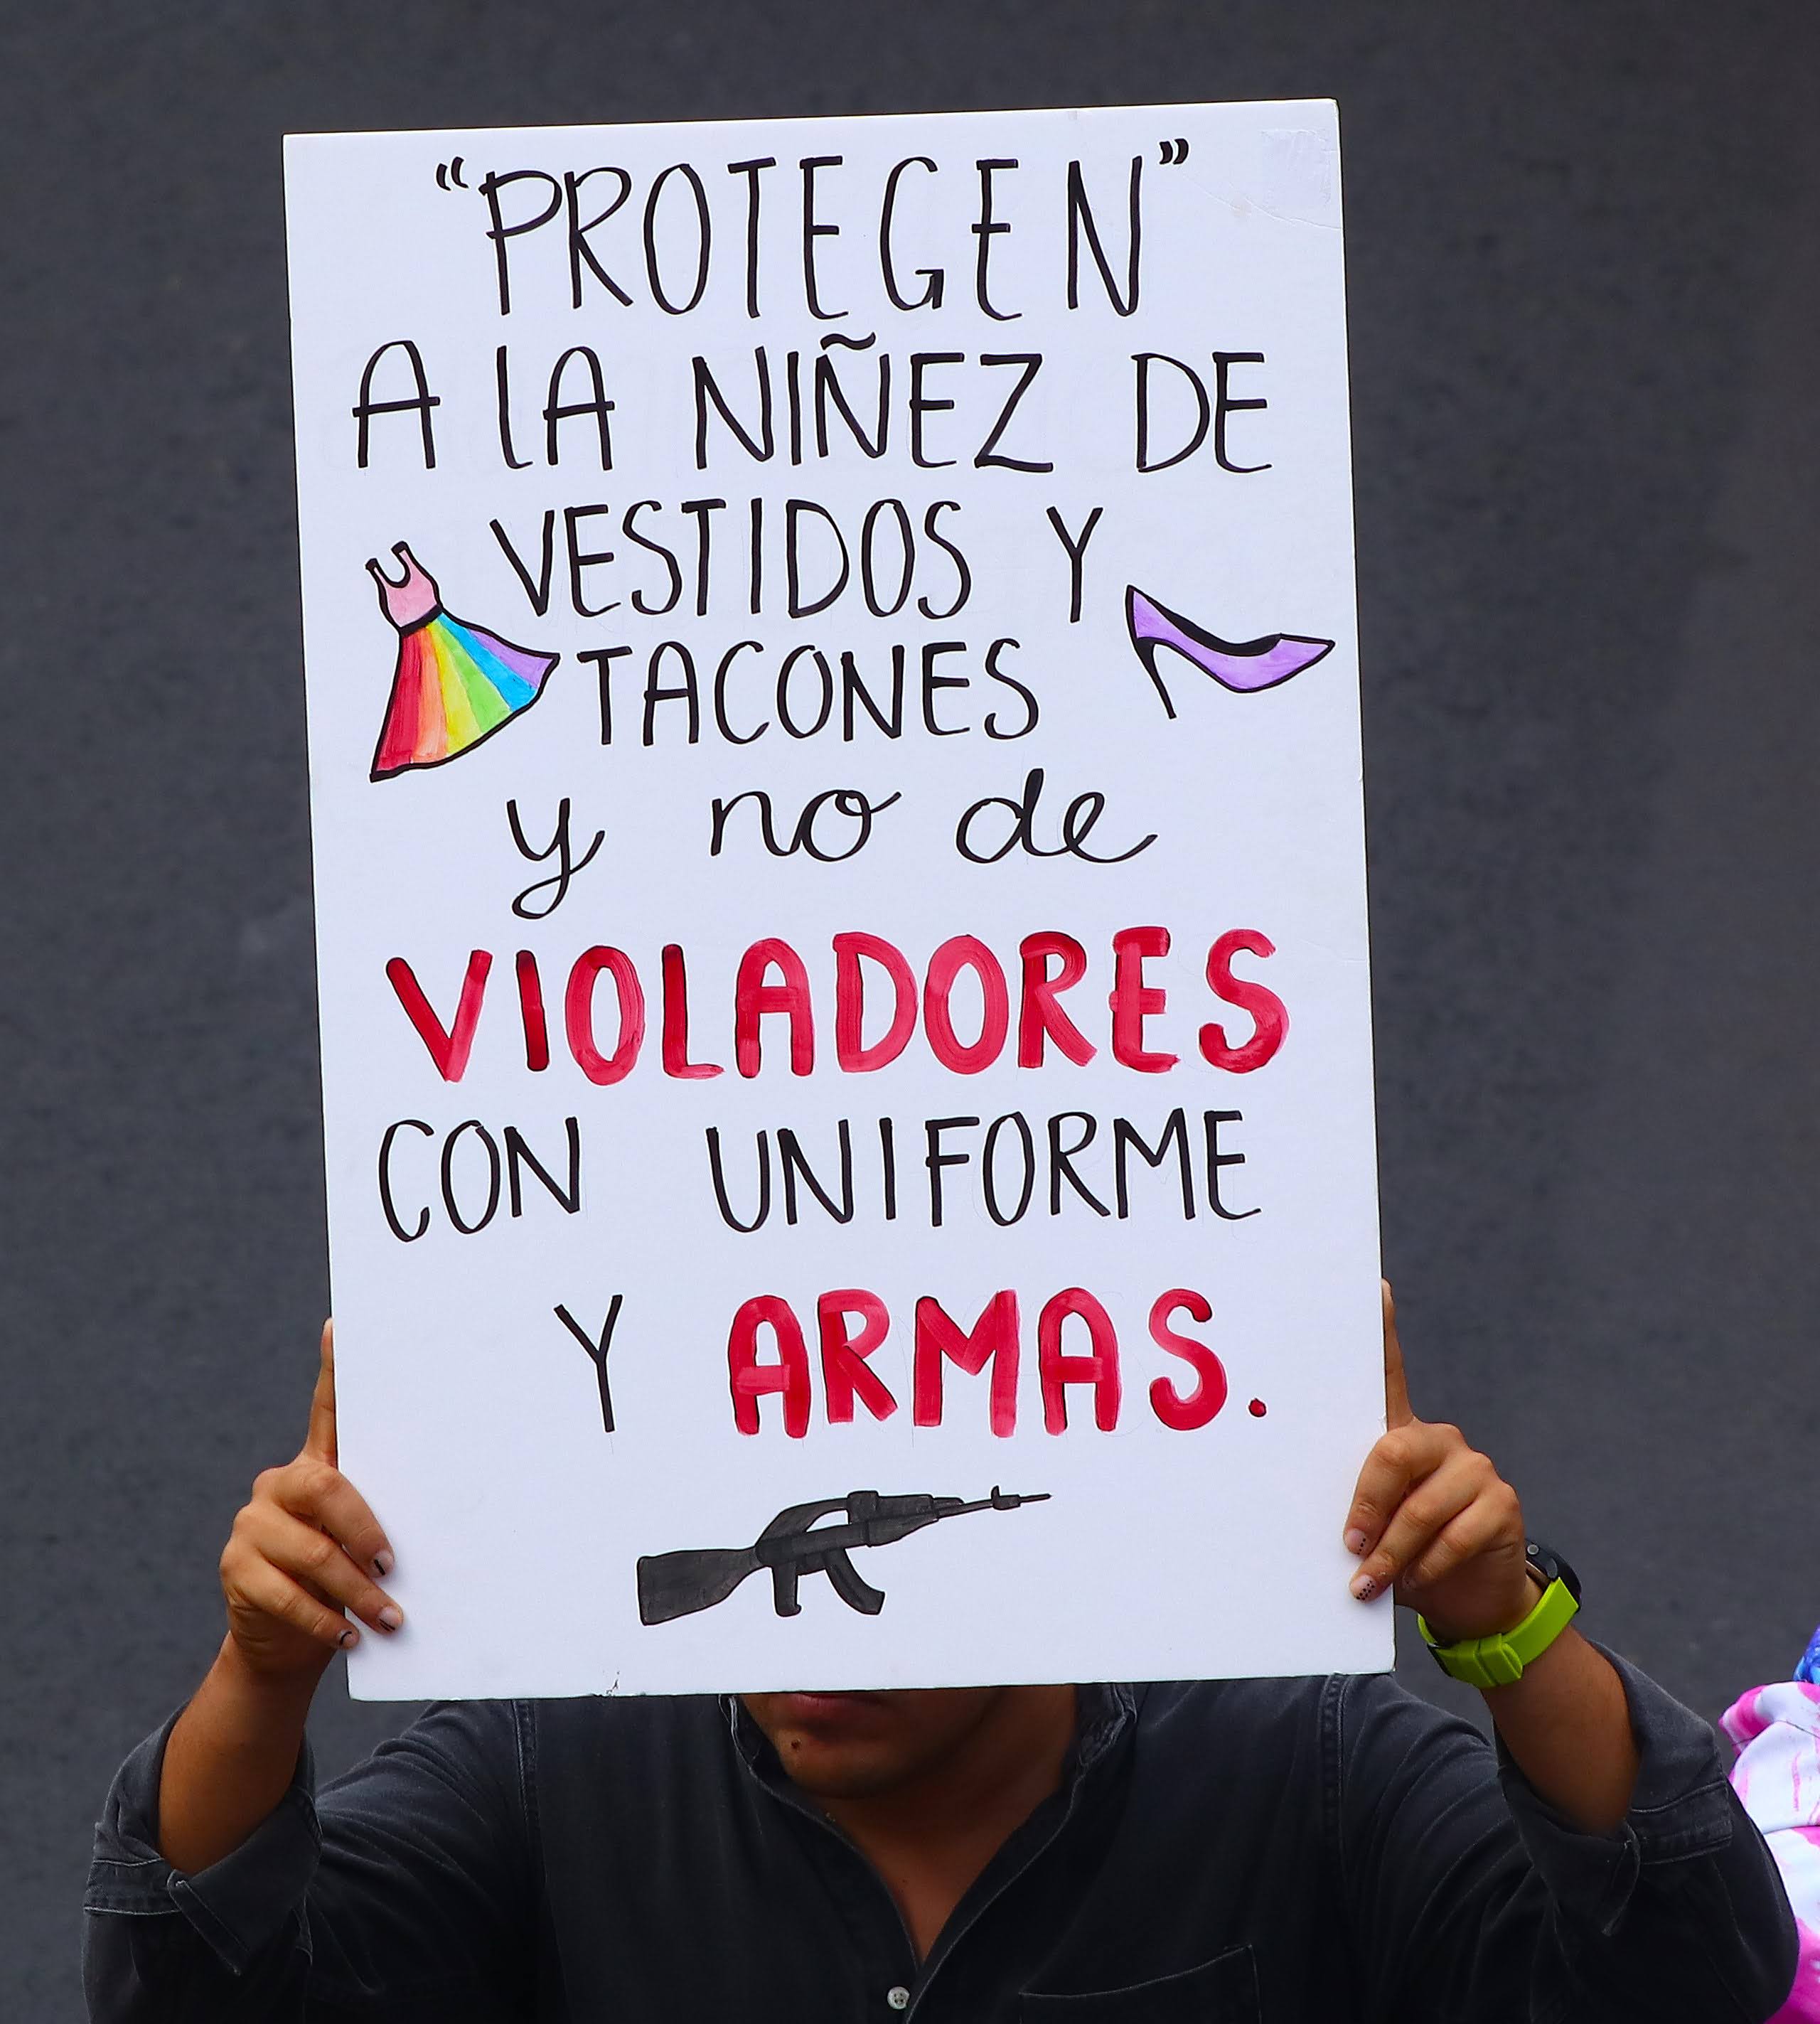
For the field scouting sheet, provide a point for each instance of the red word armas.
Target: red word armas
(1077, 1350)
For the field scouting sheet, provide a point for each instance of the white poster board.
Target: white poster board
(836, 771)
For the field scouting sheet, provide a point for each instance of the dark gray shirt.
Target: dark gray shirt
(1246, 1852)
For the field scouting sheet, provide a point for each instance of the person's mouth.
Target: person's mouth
(827, 1712)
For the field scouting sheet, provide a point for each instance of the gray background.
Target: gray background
(1583, 242)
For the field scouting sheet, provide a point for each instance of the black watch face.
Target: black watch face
(1551, 1567)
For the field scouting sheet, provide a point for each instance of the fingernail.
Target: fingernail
(382, 1564)
(1355, 1540)
(391, 1617)
(1364, 1587)
(350, 1637)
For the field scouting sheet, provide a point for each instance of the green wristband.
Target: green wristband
(1499, 1660)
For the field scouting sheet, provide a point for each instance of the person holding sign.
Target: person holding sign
(904, 568)
(1326, 1848)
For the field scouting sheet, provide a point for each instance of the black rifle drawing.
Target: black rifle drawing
(673, 1584)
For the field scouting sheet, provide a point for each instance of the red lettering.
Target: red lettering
(1269, 1015)
(851, 1324)
(845, 1374)
(749, 1379)
(1099, 1368)
(850, 1050)
(1133, 1001)
(753, 998)
(675, 1022)
(1185, 1415)
(993, 1339)
(1038, 1013)
(449, 1050)
(530, 1008)
(966, 952)
(578, 1015)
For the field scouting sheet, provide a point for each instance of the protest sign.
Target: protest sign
(834, 759)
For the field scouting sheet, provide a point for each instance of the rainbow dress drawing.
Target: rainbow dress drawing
(455, 684)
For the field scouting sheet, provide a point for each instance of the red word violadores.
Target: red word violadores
(772, 982)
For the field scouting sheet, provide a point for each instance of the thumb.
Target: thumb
(1396, 1407)
(321, 1440)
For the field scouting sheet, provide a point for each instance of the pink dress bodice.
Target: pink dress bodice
(410, 602)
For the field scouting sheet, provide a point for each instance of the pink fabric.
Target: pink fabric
(410, 602)
(1776, 1729)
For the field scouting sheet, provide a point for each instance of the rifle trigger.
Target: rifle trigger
(851, 1587)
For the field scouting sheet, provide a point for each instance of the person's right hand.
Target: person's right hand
(304, 1549)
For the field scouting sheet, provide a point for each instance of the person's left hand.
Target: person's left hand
(1433, 1517)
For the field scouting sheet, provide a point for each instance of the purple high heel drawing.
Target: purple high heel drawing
(1243, 665)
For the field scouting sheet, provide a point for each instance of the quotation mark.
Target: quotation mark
(449, 174)
(1174, 150)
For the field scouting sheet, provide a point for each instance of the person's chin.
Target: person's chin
(834, 1744)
